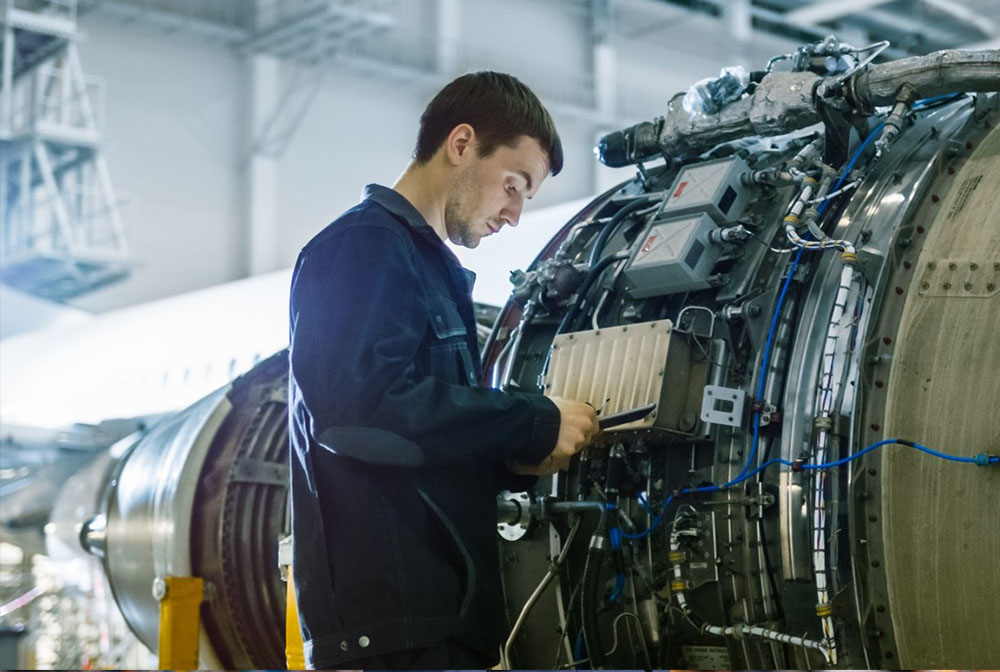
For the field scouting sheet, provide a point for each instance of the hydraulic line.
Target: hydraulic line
(533, 599)
(742, 631)
(582, 292)
(679, 584)
(612, 224)
(512, 347)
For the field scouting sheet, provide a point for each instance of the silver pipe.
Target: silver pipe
(719, 352)
(943, 72)
(549, 575)
(785, 101)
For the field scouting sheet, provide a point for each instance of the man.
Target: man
(397, 451)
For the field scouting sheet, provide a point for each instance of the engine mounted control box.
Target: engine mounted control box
(712, 187)
(617, 369)
(675, 256)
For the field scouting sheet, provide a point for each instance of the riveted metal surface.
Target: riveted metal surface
(941, 517)
(884, 503)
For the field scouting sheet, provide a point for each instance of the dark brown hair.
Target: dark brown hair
(499, 107)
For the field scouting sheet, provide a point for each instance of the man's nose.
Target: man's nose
(512, 213)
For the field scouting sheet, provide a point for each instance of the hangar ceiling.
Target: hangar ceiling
(378, 36)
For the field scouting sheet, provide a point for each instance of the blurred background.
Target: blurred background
(163, 161)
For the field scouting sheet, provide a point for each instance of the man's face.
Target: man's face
(490, 191)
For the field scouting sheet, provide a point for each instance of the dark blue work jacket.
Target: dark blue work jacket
(397, 452)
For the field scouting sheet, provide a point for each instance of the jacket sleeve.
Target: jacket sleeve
(358, 320)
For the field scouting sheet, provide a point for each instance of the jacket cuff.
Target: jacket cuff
(544, 431)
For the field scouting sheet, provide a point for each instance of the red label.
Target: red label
(648, 245)
(680, 188)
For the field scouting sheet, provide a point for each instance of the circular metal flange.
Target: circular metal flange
(518, 523)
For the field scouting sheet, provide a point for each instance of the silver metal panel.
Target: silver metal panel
(149, 514)
(616, 369)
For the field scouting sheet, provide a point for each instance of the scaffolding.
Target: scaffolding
(60, 230)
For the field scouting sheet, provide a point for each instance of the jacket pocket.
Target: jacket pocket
(470, 568)
(450, 359)
(445, 320)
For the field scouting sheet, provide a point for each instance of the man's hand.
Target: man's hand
(577, 426)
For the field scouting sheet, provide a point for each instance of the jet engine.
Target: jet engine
(788, 323)
(802, 303)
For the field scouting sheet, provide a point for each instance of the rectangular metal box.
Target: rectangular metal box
(712, 187)
(675, 256)
(621, 368)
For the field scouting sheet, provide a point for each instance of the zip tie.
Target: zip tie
(677, 557)
(849, 258)
(678, 586)
(824, 609)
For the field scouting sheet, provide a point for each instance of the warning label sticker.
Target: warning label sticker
(648, 245)
(706, 657)
(964, 193)
(680, 189)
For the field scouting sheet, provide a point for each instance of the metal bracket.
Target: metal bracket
(768, 412)
(180, 599)
(722, 405)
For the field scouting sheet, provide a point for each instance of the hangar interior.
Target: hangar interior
(162, 162)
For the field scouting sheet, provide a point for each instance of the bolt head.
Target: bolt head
(159, 588)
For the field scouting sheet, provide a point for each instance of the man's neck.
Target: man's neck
(418, 185)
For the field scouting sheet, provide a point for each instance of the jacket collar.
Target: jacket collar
(396, 203)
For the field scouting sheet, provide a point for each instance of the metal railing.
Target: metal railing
(55, 102)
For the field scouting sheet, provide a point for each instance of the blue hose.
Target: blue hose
(981, 460)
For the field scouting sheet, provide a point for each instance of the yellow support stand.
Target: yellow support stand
(294, 656)
(180, 621)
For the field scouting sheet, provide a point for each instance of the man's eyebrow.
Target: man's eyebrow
(527, 178)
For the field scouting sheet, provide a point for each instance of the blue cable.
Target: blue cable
(745, 474)
(935, 99)
(765, 359)
(653, 523)
(619, 587)
(981, 460)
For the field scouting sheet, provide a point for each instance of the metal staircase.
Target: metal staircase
(60, 231)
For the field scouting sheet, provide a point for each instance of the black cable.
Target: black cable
(570, 315)
(612, 224)
(590, 598)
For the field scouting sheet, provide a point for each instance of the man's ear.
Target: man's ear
(459, 143)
